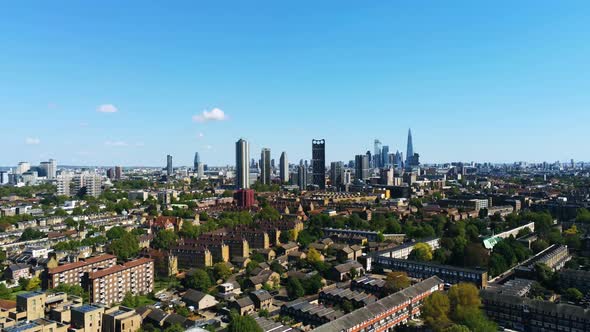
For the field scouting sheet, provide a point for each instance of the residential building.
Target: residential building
(284, 168)
(87, 318)
(71, 274)
(387, 313)
(169, 169)
(519, 313)
(265, 167)
(198, 300)
(110, 285)
(318, 163)
(242, 166)
(337, 173)
(120, 319)
(361, 167)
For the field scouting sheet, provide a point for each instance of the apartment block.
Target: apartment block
(110, 285)
(387, 313)
(72, 273)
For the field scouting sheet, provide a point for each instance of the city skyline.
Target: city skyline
(103, 89)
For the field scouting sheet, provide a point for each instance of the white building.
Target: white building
(22, 167)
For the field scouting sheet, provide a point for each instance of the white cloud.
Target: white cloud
(32, 141)
(116, 143)
(209, 147)
(200, 135)
(215, 114)
(107, 108)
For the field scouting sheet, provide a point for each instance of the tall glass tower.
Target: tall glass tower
(410, 149)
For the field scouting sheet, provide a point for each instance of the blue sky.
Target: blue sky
(484, 81)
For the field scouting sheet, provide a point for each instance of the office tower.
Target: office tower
(385, 156)
(347, 177)
(272, 164)
(4, 177)
(49, 169)
(302, 176)
(111, 173)
(336, 173)
(361, 167)
(265, 166)
(169, 165)
(377, 154)
(196, 161)
(118, 172)
(410, 149)
(199, 167)
(387, 175)
(284, 167)
(242, 166)
(22, 167)
(318, 162)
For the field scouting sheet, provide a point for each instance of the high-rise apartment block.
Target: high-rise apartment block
(110, 285)
(242, 164)
(284, 168)
(265, 168)
(169, 168)
(318, 162)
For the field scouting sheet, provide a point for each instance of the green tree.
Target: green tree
(199, 280)
(396, 281)
(221, 271)
(31, 234)
(115, 233)
(346, 306)
(294, 288)
(436, 310)
(422, 252)
(243, 324)
(175, 328)
(313, 256)
(165, 239)
(33, 284)
(457, 328)
(464, 294)
(539, 245)
(5, 293)
(125, 247)
(475, 255)
(573, 294)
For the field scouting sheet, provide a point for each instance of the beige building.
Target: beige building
(87, 318)
(121, 319)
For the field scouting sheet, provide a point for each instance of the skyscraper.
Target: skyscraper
(169, 165)
(377, 154)
(242, 166)
(385, 156)
(336, 173)
(196, 161)
(302, 176)
(118, 172)
(318, 162)
(265, 166)
(199, 167)
(361, 167)
(284, 167)
(410, 149)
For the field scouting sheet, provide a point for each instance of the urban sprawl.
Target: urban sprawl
(378, 243)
